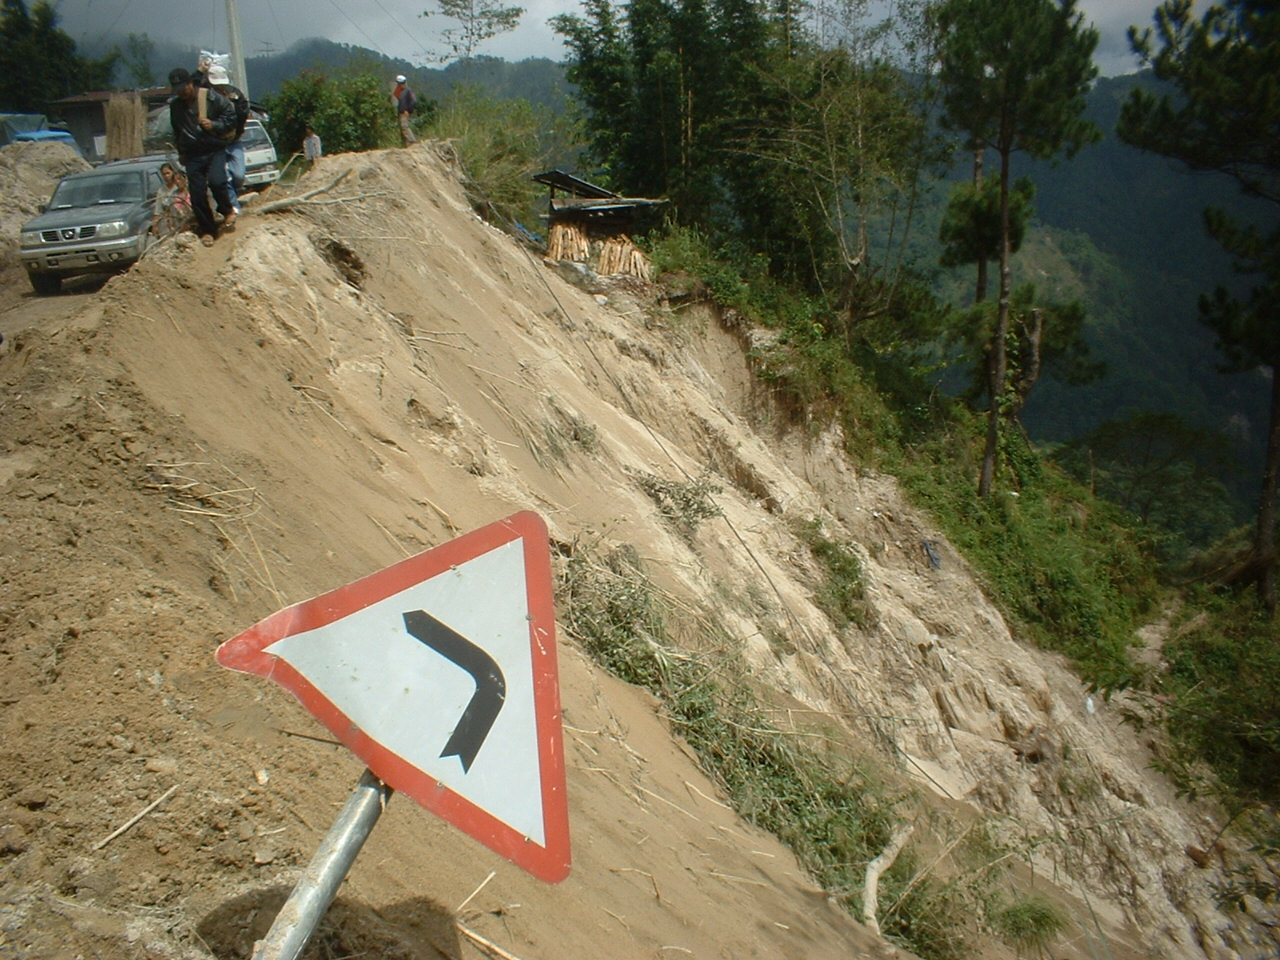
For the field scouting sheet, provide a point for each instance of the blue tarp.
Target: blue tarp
(12, 124)
(47, 136)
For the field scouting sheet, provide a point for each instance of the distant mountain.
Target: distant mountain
(1143, 214)
(538, 80)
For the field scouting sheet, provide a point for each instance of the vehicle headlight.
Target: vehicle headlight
(31, 238)
(116, 228)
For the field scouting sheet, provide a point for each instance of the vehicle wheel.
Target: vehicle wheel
(45, 284)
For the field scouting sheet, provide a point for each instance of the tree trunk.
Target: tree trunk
(980, 288)
(997, 360)
(1264, 544)
(1029, 362)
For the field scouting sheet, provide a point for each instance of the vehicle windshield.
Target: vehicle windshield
(122, 187)
(253, 135)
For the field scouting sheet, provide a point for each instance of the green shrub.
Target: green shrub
(500, 145)
(843, 594)
(1028, 925)
(685, 503)
(1221, 696)
(350, 112)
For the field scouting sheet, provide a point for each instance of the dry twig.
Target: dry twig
(486, 944)
(483, 884)
(657, 896)
(288, 202)
(135, 818)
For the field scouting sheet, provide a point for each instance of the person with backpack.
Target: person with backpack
(200, 128)
(405, 103)
(218, 80)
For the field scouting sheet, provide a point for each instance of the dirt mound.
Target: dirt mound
(224, 431)
(28, 174)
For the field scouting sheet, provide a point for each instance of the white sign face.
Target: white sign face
(439, 673)
(409, 697)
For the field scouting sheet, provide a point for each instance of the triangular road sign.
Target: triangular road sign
(440, 674)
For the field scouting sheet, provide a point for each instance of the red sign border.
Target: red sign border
(246, 653)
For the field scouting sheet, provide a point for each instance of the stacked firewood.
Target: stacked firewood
(618, 255)
(568, 241)
(126, 123)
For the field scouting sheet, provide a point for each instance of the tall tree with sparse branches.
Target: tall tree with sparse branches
(478, 21)
(1014, 75)
(1225, 68)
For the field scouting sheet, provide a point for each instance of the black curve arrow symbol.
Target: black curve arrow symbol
(491, 687)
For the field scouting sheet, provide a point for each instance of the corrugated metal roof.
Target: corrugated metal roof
(574, 185)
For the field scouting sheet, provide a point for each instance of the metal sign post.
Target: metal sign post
(301, 913)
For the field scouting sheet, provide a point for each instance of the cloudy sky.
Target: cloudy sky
(396, 27)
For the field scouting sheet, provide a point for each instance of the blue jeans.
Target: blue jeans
(235, 171)
(208, 172)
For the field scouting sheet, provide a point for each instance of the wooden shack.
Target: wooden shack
(107, 125)
(589, 224)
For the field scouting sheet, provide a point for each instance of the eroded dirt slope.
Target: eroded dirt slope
(224, 431)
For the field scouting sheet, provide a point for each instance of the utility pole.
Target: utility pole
(238, 76)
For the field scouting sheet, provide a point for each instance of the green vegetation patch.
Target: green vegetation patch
(1067, 569)
(1071, 572)
(842, 595)
(1221, 697)
(1028, 925)
(685, 503)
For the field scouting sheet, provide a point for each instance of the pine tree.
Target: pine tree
(599, 66)
(1014, 75)
(970, 228)
(1225, 67)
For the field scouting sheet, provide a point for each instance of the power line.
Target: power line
(271, 8)
(425, 50)
(360, 30)
(123, 11)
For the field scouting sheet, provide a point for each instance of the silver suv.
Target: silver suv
(97, 221)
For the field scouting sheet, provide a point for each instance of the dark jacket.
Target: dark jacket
(238, 100)
(188, 137)
(241, 104)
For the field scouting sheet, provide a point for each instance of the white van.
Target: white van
(261, 166)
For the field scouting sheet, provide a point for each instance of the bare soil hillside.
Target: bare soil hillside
(222, 432)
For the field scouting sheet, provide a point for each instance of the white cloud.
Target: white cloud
(1112, 18)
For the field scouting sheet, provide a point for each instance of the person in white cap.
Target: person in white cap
(405, 102)
(218, 80)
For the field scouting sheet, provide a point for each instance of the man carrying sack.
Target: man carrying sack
(201, 142)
